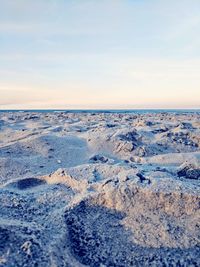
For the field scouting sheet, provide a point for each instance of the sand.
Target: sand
(99, 189)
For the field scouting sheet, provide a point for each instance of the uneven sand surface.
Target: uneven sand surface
(99, 189)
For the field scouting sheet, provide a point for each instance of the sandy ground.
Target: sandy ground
(86, 189)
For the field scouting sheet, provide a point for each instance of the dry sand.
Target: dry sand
(86, 189)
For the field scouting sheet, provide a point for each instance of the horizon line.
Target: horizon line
(97, 109)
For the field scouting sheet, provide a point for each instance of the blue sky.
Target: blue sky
(99, 54)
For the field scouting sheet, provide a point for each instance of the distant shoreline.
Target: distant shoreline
(122, 111)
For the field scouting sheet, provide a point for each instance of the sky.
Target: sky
(71, 54)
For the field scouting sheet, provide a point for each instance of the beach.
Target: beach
(99, 188)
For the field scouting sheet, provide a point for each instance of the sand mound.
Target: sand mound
(98, 238)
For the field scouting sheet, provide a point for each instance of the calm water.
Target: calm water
(138, 111)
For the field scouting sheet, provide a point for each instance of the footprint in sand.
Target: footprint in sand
(26, 183)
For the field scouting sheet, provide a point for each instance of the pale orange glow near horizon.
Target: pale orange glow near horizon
(35, 98)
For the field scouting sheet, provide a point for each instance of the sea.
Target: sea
(94, 111)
